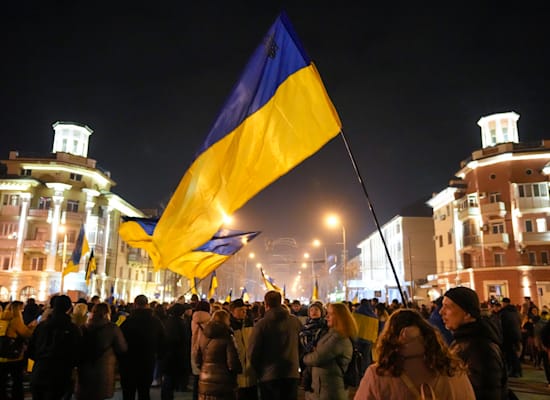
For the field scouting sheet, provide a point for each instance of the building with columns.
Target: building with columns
(491, 222)
(45, 199)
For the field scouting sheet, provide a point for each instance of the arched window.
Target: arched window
(4, 294)
(26, 293)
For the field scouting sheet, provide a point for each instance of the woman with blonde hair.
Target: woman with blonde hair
(412, 362)
(331, 356)
(79, 316)
(13, 364)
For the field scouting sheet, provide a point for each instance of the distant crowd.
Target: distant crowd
(455, 348)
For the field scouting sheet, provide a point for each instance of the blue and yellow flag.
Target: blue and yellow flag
(91, 267)
(81, 247)
(213, 285)
(228, 297)
(277, 115)
(270, 283)
(193, 282)
(137, 232)
(244, 295)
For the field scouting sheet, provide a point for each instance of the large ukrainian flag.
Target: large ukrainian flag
(277, 115)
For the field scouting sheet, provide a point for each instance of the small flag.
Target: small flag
(269, 283)
(244, 296)
(81, 247)
(213, 285)
(315, 294)
(228, 297)
(90, 267)
(193, 283)
(355, 299)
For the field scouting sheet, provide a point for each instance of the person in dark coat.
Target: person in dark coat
(476, 342)
(314, 328)
(436, 321)
(102, 341)
(510, 320)
(218, 360)
(144, 335)
(274, 350)
(55, 348)
(175, 364)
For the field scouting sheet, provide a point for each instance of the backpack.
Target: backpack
(353, 375)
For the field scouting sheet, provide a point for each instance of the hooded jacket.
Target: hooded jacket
(478, 344)
(274, 345)
(218, 360)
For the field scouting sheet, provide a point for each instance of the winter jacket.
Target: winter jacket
(102, 340)
(55, 347)
(376, 387)
(274, 347)
(329, 360)
(510, 320)
(242, 329)
(477, 343)
(176, 360)
(218, 360)
(198, 322)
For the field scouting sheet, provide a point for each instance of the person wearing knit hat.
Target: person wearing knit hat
(477, 342)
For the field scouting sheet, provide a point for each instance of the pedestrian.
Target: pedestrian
(367, 323)
(13, 362)
(201, 316)
(436, 320)
(330, 358)
(102, 342)
(173, 365)
(412, 358)
(218, 360)
(79, 316)
(313, 330)
(476, 342)
(55, 347)
(510, 321)
(242, 326)
(274, 350)
(144, 335)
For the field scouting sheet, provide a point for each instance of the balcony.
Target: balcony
(494, 209)
(496, 240)
(35, 245)
(10, 211)
(533, 204)
(8, 244)
(39, 213)
(534, 238)
(471, 241)
(468, 212)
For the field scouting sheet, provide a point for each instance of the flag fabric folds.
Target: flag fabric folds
(269, 283)
(200, 262)
(81, 247)
(193, 283)
(91, 267)
(213, 285)
(228, 297)
(315, 294)
(244, 295)
(277, 115)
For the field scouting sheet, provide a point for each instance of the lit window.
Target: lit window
(75, 177)
(45, 203)
(72, 205)
(497, 228)
(494, 197)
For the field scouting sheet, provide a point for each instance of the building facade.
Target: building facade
(410, 246)
(45, 199)
(491, 223)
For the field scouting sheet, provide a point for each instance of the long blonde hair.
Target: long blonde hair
(342, 320)
(13, 310)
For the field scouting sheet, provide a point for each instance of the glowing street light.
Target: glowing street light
(333, 221)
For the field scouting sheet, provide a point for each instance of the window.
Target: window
(533, 190)
(397, 228)
(440, 240)
(528, 225)
(494, 197)
(448, 210)
(497, 228)
(75, 177)
(541, 224)
(26, 172)
(8, 229)
(64, 145)
(449, 237)
(532, 258)
(72, 205)
(41, 234)
(544, 257)
(75, 146)
(37, 264)
(10, 200)
(45, 203)
(499, 259)
(6, 261)
(472, 200)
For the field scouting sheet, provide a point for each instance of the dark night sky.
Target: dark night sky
(409, 81)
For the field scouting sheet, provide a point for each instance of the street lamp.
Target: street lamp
(62, 229)
(333, 221)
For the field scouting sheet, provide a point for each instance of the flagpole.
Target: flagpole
(63, 263)
(371, 207)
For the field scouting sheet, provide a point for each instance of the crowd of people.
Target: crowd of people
(268, 350)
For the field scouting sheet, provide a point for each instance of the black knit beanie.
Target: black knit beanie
(466, 299)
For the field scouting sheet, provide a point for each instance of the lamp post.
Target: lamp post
(63, 230)
(333, 221)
